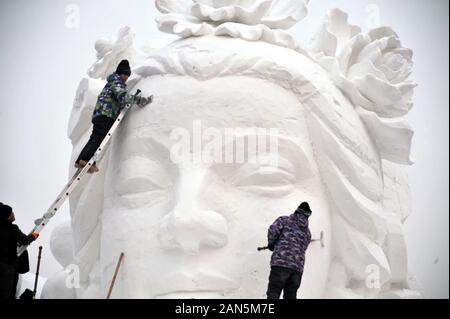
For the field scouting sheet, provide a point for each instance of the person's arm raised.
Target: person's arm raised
(23, 239)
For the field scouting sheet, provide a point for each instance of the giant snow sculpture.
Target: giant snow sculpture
(189, 229)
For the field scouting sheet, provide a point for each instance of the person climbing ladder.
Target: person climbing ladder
(110, 103)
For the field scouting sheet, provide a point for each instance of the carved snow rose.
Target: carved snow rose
(379, 66)
(372, 69)
(199, 17)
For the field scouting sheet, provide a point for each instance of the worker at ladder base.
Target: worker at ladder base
(110, 103)
(11, 265)
(288, 238)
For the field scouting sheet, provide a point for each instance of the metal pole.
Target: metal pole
(115, 275)
(37, 271)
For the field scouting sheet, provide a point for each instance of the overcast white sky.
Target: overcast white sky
(42, 60)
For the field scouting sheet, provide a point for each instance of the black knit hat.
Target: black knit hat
(5, 212)
(304, 208)
(124, 68)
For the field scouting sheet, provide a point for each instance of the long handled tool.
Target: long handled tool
(319, 239)
(28, 294)
(37, 272)
(113, 281)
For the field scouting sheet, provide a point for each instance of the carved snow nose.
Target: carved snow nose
(189, 231)
(188, 227)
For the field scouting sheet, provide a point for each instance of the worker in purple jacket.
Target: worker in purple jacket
(288, 238)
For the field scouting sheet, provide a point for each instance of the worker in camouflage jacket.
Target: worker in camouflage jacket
(288, 238)
(110, 103)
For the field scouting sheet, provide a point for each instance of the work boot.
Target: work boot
(80, 164)
(93, 169)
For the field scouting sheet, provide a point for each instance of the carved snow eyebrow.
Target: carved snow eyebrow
(290, 154)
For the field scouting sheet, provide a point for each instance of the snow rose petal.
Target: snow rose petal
(284, 14)
(388, 100)
(171, 6)
(363, 68)
(227, 3)
(249, 15)
(183, 26)
(334, 34)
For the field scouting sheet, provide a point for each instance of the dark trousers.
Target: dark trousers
(102, 124)
(8, 281)
(283, 279)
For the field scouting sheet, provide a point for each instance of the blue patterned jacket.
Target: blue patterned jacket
(112, 99)
(289, 237)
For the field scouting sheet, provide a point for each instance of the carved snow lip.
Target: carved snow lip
(201, 282)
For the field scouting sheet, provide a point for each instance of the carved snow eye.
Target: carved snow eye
(138, 175)
(136, 185)
(138, 192)
(267, 176)
(275, 173)
(265, 179)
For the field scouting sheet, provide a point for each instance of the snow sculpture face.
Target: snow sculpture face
(191, 229)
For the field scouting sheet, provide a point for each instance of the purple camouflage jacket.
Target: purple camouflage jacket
(290, 237)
